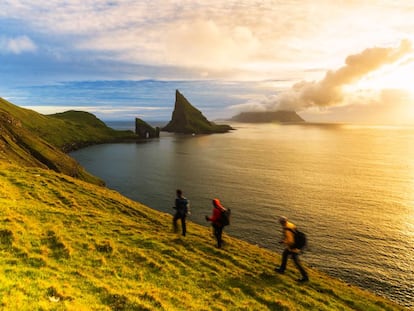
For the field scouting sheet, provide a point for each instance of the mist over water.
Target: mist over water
(350, 188)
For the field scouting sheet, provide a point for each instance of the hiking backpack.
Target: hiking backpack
(225, 217)
(299, 237)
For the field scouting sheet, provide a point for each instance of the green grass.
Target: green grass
(30, 139)
(70, 245)
(68, 130)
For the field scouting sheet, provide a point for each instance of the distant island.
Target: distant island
(282, 116)
(187, 119)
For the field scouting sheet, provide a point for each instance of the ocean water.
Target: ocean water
(350, 188)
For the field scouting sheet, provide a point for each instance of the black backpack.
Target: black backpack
(300, 238)
(225, 217)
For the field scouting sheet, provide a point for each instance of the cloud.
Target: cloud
(214, 35)
(387, 106)
(17, 45)
(329, 91)
(234, 39)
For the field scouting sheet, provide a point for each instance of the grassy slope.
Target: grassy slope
(20, 146)
(93, 249)
(28, 138)
(65, 130)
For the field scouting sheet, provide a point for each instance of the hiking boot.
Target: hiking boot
(303, 280)
(278, 270)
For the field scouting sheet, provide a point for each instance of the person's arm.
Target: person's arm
(188, 207)
(283, 239)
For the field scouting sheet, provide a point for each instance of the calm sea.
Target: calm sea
(350, 188)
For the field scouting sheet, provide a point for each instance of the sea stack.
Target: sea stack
(144, 130)
(187, 119)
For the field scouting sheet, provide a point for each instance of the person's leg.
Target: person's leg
(302, 271)
(175, 218)
(183, 225)
(285, 256)
(220, 237)
(217, 233)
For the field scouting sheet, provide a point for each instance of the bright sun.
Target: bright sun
(392, 88)
(399, 76)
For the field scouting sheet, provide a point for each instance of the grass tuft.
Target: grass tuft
(6, 237)
(105, 247)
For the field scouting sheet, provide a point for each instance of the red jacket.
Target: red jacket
(215, 218)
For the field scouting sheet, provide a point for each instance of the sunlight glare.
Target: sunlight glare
(399, 76)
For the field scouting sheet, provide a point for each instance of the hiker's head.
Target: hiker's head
(179, 192)
(216, 203)
(283, 220)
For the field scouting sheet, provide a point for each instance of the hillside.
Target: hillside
(187, 119)
(28, 138)
(67, 131)
(20, 146)
(70, 245)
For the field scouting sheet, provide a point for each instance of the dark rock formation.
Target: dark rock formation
(187, 119)
(144, 130)
(281, 116)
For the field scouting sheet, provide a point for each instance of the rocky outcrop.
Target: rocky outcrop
(281, 116)
(144, 130)
(187, 119)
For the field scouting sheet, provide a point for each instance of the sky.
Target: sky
(331, 61)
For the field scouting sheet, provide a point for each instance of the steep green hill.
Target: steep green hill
(28, 138)
(20, 146)
(67, 131)
(69, 245)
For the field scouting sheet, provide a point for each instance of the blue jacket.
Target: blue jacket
(181, 206)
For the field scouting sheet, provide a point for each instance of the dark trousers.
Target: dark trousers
(183, 225)
(218, 232)
(295, 257)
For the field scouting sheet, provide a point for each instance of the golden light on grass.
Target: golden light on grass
(70, 245)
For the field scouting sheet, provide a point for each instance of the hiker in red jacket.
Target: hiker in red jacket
(216, 221)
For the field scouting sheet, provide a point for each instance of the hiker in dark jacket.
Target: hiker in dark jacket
(290, 250)
(216, 221)
(181, 210)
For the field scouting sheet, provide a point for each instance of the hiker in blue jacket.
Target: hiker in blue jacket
(290, 250)
(181, 210)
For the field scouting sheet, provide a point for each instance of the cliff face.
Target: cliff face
(268, 116)
(187, 119)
